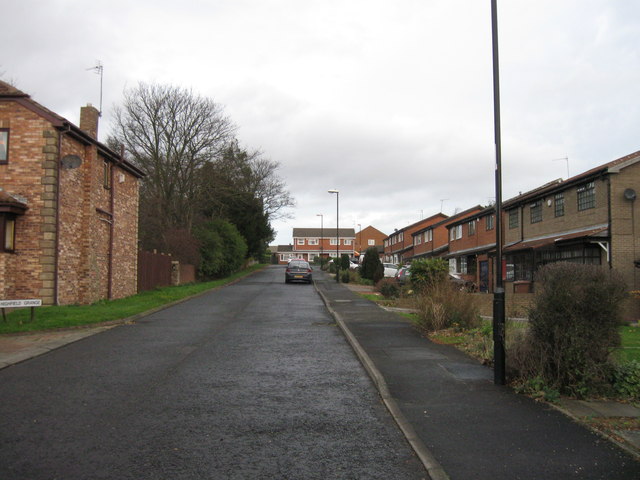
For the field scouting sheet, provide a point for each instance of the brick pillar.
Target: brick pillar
(89, 116)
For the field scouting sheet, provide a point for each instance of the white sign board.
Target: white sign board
(35, 302)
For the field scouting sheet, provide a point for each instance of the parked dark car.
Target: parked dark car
(403, 275)
(298, 271)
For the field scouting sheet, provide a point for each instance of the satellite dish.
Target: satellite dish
(71, 161)
(630, 194)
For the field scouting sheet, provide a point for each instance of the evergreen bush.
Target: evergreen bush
(388, 287)
(222, 249)
(573, 322)
(371, 265)
(427, 272)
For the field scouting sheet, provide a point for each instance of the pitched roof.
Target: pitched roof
(557, 185)
(327, 232)
(11, 93)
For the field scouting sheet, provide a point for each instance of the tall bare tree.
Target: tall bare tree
(170, 133)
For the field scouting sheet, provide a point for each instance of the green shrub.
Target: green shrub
(372, 265)
(626, 380)
(574, 316)
(388, 287)
(222, 249)
(344, 276)
(440, 305)
(344, 262)
(428, 271)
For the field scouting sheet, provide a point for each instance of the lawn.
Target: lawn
(630, 349)
(55, 317)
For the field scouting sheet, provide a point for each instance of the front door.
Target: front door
(484, 276)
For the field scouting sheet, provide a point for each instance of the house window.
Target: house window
(417, 240)
(106, 175)
(313, 241)
(300, 241)
(333, 241)
(7, 232)
(513, 218)
(559, 204)
(462, 262)
(4, 145)
(472, 227)
(536, 211)
(347, 241)
(587, 196)
(372, 242)
(456, 232)
(519, 267)
(489, 222)
(428, 235)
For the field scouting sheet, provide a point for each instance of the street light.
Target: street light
(321, 234)
(337, 233)
(499, 294)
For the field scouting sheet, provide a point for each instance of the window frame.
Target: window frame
(106, 174)
(489, 222)
(558, 205)
(471, 228)
(5, 131)
(514, 218)
(535, 211)
(586, 196)
(5, 219)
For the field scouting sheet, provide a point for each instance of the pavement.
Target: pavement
(457, 421)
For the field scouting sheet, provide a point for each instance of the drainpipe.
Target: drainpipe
(610, 251)
(111, 235)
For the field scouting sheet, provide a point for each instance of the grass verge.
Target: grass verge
(56, 317)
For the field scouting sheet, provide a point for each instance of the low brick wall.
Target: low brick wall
(516, 304)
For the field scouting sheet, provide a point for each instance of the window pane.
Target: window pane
(4, 146)
(9, 233)
(587, 196)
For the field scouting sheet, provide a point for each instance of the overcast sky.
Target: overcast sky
(390, 102)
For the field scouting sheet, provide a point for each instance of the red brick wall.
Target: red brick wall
(85, 217)
(28, 273)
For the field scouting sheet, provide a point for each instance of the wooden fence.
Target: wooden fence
(154, 270)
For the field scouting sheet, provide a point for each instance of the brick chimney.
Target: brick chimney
(89, 116)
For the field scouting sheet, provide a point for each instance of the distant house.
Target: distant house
(399, 246)
(309, 243)
(68, 207)
(369, 237)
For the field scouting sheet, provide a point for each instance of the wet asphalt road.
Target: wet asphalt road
(253, 381)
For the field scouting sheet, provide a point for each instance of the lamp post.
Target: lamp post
(499, 294)
(321, 234)
(337, 233)
(360, 239)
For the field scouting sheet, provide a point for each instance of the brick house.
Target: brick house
(68, 207)
(590, 218)
(399, 246)
(433, 240)
(369, 237)
(472, 244)
(309, 243)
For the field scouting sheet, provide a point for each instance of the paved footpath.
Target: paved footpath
(460, 423)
